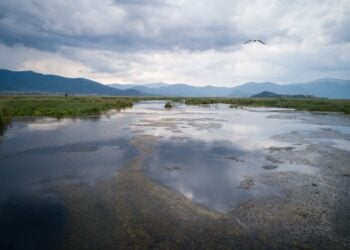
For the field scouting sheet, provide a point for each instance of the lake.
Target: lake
(187, 177)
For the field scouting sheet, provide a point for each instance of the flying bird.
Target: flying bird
(254, 41)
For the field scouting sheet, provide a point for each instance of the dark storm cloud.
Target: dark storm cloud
(197, 41)
(154, 24)
(125, 25)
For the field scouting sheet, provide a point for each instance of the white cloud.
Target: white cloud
(23, 58)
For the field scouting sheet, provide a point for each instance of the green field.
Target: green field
(61, 106)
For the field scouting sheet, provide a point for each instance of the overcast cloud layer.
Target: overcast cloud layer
(192, 41)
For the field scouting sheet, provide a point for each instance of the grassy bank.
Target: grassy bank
(326, 105)
(57, 106)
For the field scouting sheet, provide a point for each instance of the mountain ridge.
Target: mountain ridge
(32, 82)
(325, 88)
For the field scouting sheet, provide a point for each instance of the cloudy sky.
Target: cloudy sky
(193, 41)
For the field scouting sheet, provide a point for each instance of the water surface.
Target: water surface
(213, 155)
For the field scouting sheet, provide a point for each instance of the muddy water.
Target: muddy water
(195, 176)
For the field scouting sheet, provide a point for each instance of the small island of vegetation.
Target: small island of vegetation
(169, 105)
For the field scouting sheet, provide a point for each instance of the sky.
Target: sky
(200, 42)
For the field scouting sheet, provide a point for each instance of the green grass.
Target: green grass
(326, 105)
(57, 106)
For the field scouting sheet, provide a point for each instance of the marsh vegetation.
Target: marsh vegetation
(58, 106)
(70, 106)
(323, 105)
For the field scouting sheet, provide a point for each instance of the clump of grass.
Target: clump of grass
(5, 117)
(169, 105)
(2, 119)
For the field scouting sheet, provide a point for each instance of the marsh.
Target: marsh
(191, 176)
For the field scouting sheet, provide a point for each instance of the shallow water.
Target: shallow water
(213, 155)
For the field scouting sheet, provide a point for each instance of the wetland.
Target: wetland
(192, 176)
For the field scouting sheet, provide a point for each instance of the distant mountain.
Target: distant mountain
(135, 85)
(267, 94)
(178, 89)
(327, 88)
(31, 82)
(253, 88)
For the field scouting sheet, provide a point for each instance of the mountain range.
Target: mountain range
(32, 82)
(326, 88)
(179, 89)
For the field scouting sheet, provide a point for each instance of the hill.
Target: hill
(326, 88)
(31, 82)
(267, 94)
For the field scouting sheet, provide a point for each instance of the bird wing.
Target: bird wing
(247, 41)
(261, 42)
